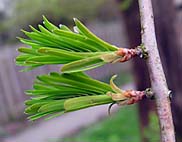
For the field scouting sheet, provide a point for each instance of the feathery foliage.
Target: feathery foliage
(79, 50)
(56, 94)
(60, 93)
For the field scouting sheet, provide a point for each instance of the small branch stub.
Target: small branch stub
(127, 54)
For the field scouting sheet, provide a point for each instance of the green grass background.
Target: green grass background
(121, 127)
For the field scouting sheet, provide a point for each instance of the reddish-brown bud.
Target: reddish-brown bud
(134, 96)
(126, 54)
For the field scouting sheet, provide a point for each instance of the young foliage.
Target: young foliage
(61, 93)
(78, 50)
(57, 94)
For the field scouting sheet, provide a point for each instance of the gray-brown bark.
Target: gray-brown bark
(157, 77)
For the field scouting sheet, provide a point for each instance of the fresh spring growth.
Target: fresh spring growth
(78, 50)
(56, 94)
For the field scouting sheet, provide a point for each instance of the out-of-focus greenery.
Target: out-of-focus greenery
(122, 79)
(121, 127)
(28, 12)
(125, 4)
(152, 132)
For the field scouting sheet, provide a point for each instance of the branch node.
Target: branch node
(149, 93)
(170, 94)
(142, 51)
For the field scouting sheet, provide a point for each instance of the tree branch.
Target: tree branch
(157, 76)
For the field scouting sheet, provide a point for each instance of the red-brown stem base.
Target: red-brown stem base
(132, 97)
(126, 54)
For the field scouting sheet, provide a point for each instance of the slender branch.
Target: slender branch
(158, 81)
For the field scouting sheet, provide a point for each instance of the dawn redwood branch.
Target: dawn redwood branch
(158, 80)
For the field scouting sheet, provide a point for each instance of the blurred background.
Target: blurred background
(116, 21)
